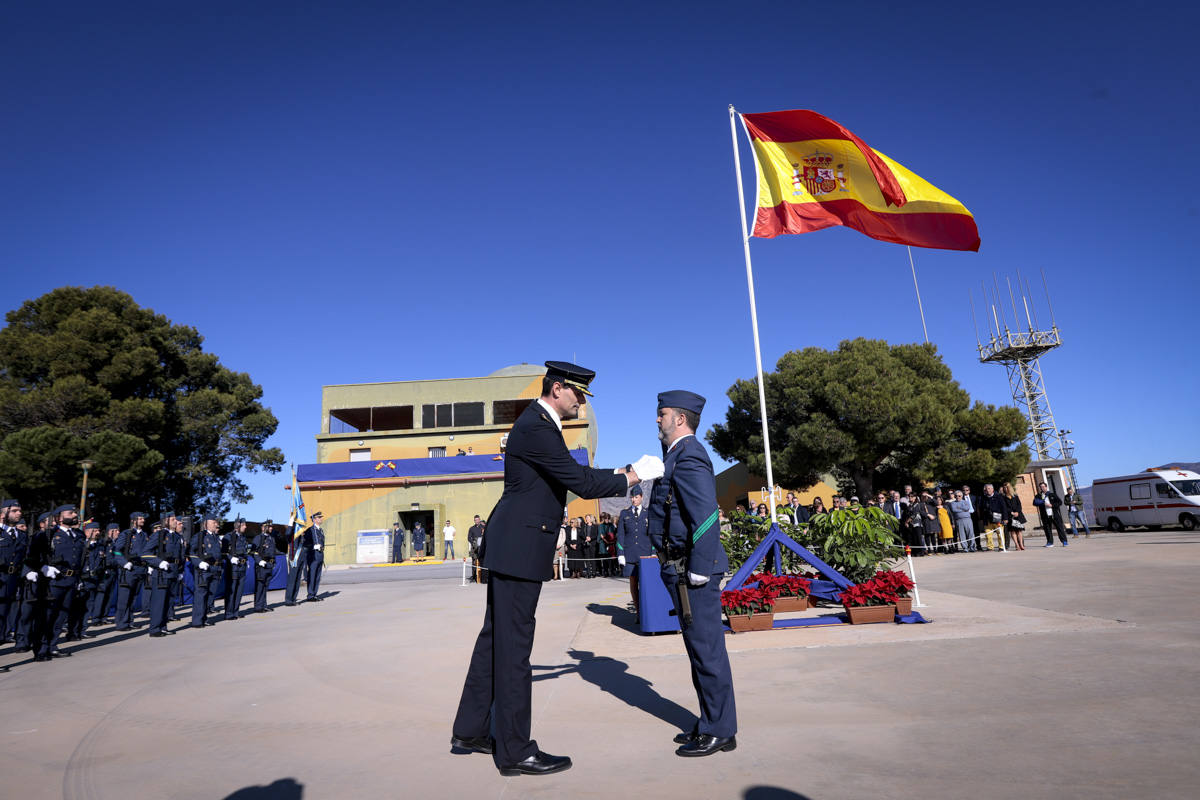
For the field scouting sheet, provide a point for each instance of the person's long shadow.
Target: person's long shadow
(614, 677)
(282, 789)
(622, 618)
(772, 793)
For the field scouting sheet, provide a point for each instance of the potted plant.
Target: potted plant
(749, 609)
(855, 541)
(901, 585)
(790, 592)
(871, 601)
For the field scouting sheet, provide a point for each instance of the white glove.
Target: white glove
(233, 559)
(150, 570)
(31, 576)
(648, 467)
(262, 563)
(317, 546)
(697, 580)
(203, 565)
(163, 565)
(621, 560)
(128, 565)
(50, 572)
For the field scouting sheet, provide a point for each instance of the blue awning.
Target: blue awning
(409, 467)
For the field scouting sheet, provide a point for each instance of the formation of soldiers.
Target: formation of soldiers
(58, 578)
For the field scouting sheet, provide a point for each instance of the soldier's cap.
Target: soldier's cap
(636, 491)
(572, 375)
(318, 514)
(10, 503)
(681, 398)
(87, 526)
(168, 514)
(240, 519)
(213, 517)
(42, 517)
(137, 514)
(64, 509)
(112, 526)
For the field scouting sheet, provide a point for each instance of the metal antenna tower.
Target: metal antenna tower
(1020, 352)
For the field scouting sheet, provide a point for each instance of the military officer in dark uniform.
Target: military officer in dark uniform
(32, 593)
(61, 565)
(314, 543)
(237, 559)
(107, 596)
(12, 557)
(297, 567)
(518, 551)
(95, 570)
(263, 551)
(633, 541)
(161, 555)
(177, 549)
(206, 568)
(131, 569)
(684, 529)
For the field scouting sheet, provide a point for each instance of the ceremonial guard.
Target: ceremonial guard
(684, 530)
(518, 551)
(162, 556)
(177, 549)
(206, 568)
(61, 563)
(237, 559)
(297, 567)
(633, 542)
(314, 543)
(32, 593)
(264, 551)
(12, 557)
(131, 570)
(94, 572)
(108, 595)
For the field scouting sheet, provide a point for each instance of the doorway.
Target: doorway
(408, 523)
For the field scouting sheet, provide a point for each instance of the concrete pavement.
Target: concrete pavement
(1062, 673)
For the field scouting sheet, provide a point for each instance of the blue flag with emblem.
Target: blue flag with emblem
(299, 517)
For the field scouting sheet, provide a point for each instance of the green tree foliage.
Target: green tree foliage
(871, 414)
(88, 373)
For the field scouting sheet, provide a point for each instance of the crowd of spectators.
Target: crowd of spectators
(587, 547)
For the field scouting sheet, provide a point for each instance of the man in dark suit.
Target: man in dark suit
(799, 514)
(474, 541)
(518, 551)
(314, 543)
(633, 542)
(684, 529)
(1049, 506)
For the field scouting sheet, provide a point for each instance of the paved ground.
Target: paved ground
(1064, 673)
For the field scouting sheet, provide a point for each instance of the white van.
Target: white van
(1152, 498)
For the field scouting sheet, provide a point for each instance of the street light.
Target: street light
(87, 464)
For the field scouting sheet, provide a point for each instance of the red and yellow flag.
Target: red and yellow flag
(813, 174)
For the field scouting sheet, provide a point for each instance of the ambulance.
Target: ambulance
(1152, 499)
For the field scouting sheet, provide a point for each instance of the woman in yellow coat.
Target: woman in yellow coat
(946, 545)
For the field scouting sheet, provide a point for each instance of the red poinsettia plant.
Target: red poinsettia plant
(899, 582)
(781, 585)
(747, 601)
(869, 593)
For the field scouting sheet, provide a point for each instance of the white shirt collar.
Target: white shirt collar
(677, 441)
(552, 412)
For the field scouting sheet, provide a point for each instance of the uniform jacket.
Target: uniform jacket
(633, 538)
(689, 521)
(95, 562)
(312, 536)
(66, 550)
(13, 545)
(237, 546)
(538, 473)
(207, 549)
(263, 548)
(126, 549)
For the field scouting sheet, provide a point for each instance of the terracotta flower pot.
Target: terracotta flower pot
(740, 623)
(786, 604)
(903, 605)
(862, 615)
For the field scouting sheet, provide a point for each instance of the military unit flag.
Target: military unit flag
(299, 517)
(814, 174)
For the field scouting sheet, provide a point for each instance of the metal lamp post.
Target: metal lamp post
(87, 464)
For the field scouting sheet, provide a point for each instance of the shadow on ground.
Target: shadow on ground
(282, 789)
(613, 676)
(772, 793)
(622, 618)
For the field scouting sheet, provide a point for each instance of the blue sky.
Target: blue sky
(336, 193)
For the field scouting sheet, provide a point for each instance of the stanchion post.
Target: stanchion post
(912, 574)
(464, 573)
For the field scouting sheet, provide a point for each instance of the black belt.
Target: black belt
(11, 569)
(70, 573)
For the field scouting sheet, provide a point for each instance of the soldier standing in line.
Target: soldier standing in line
(297, 567)
(237, 558)
(95, 568)
(206, 563)
(263, 550)
(633, 543)
(177, 549)
(61, 560)
(32, 595)
(161, 555)
(108, 594)
(314, 539)
(12, 554)
(129, 569)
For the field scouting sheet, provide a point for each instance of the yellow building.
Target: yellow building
(736, 485)
(427, 450)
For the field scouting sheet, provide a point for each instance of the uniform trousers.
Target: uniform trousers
(235, 581)
(32, 596)
(53, 619)
(704, 641)
(80, 603)
(315, 565)
(204, 583)
(160, 596)
(295, 573)
(500, 676)
(102, 599)
(130, 583)
(10, 583)
(260, 588)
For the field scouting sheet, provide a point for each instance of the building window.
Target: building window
(451, 415)
(392, 418)
(349, 420)
(437, 452)
(445, 415)
(505, 412)
(360, 454)
(468, 414)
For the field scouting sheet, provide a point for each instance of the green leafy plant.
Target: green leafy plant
(856, 541)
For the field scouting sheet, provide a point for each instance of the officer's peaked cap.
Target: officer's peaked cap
(90, 525)
(213, 517)
(9, 503)
(137, 514)
(42, 517)
(681, 398)
(570, 375)
(636, 491)
(112, 526)
(64, 509)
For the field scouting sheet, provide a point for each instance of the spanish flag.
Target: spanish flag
(813, 174)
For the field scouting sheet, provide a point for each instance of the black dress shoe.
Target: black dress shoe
(538, 764)
(56, 653)
(23, 649)
(126, 628)
(196, 625)
(42, 658)
(706, 744)
(292, 603)
(684, 738)
(473, 744)
(156, 634)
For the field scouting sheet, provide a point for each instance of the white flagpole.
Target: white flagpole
(762, 396)
(920, 307)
